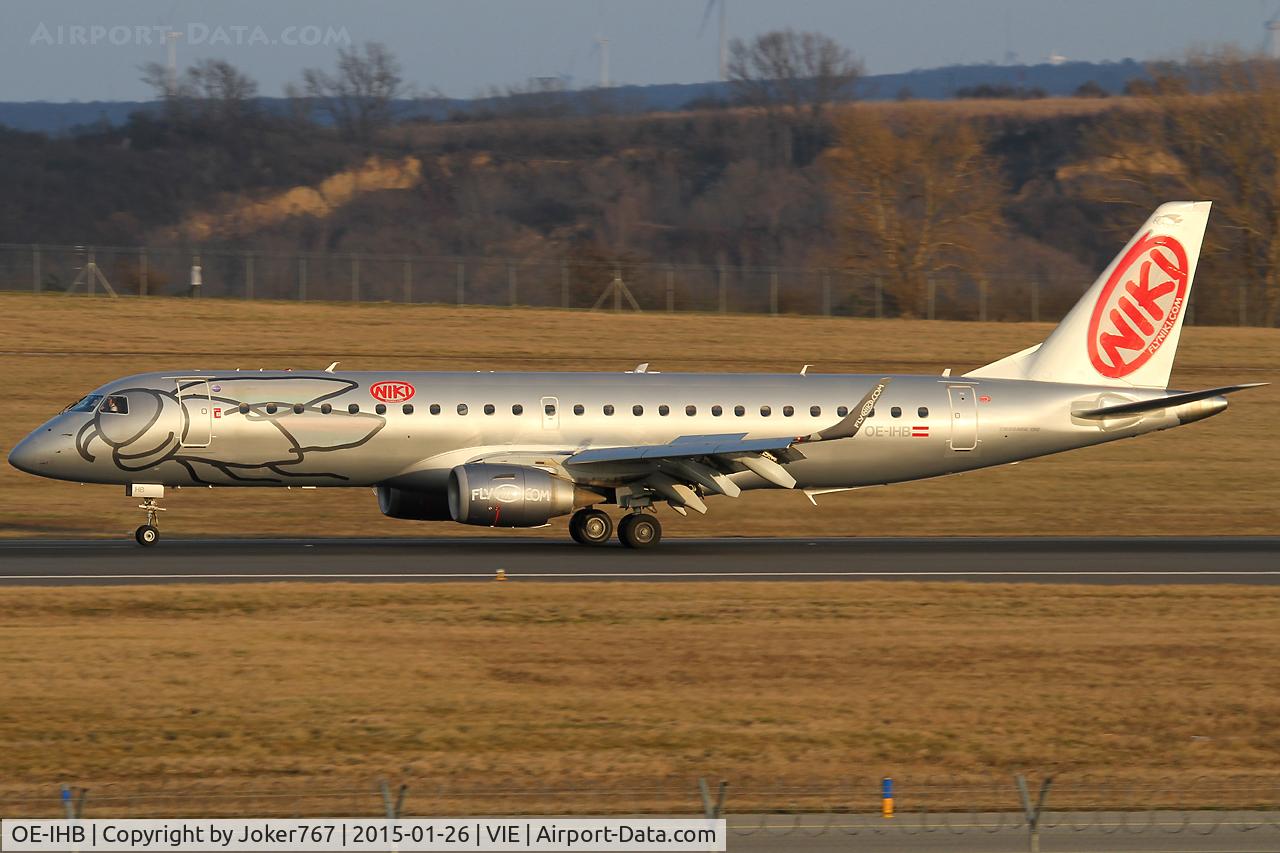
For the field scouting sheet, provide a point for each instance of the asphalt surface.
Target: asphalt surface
(1040, 560)
(1082, 832)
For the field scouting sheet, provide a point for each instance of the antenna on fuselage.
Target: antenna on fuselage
(332, 367)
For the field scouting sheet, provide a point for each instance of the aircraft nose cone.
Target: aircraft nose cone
(33, 453)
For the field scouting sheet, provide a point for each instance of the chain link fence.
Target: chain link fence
(556, 283)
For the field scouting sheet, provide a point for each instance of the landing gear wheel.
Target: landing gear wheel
(146, 535)
(639, 531)
(590, 527)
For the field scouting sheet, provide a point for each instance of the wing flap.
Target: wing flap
(683, 447)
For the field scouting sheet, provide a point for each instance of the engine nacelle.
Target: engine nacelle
(413, 505)
(496, 495)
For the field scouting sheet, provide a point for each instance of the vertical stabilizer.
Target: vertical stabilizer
(1124, 330)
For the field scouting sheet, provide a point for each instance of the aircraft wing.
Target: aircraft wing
(682, 448)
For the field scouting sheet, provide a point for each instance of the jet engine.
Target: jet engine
(413, 505)
(496, 495)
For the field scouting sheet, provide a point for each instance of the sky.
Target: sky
(65, 50)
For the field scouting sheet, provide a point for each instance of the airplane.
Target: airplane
(518, 449)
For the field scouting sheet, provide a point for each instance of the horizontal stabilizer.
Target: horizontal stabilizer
(1158, 403)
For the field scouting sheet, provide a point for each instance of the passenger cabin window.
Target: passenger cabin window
(85, 404)
(462, 408)
(517, 409)
(297, 408)
(923, 411)
(739, 410)
(244, 408)
(815, 411)
(637, 410)
(664, 410)
(354, 408)
(407, 408)
(788, 411)
(579, 409)
(489, 409)
(691, 410)
(271, 408)
(381, 408)
(765, 411)
(716, 411)
(608, 408)
(842, 411)
(434, 408)
(116, 404)
(896, 412)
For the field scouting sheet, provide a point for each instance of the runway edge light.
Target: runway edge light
(886, 797)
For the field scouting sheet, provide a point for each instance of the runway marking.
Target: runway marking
(535, 575)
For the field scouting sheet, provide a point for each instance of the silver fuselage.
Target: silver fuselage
(244, 429)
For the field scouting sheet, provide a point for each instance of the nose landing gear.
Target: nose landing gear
(149, 533)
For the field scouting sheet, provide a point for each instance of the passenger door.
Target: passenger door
(964, 417)
(197, 411)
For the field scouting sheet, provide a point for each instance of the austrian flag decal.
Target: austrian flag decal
(392, 392)
(1139, 306)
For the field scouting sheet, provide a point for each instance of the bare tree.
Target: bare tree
(359, 97)
(913, 202)
(1208, 128)
(791, 70)
(212, 89)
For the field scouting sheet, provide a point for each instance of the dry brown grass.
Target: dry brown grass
(620, 687)
(1216, 477)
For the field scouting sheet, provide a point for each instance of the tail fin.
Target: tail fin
(1124, 330)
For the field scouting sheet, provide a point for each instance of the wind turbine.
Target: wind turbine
(1272, 43)
(724, 47)
(602, 45)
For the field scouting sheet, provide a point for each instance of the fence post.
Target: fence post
(712, 810)
(462, 283)
(511, 282)
(355, 278)
(879, 298)
(724, 296)
(302, 278)
(395, 810)
(564, 283)
(1244, 312)
(1033, 813)
(1035, 300)
(248, 275)
(671, 289)
(826, 293)
(144, 272)
(982, 301)
(773, 292)
(36, 283)
(933, 296)
(408, 280)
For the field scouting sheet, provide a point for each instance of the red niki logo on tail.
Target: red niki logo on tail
(392, 392)
(1139, 306)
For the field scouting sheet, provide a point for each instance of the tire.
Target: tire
(146, 535)
(639, 531)
(591, 527)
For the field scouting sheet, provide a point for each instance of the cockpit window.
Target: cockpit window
(115, 404)
(85, 404)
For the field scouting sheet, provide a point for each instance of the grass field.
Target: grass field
(1217, 477)
(609, 688)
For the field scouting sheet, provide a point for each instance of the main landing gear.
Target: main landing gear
(593, 527)
(590, 527)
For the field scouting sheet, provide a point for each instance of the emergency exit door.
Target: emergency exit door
(964, 417)
(197, 412)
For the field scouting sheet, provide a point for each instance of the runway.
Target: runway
(1039, 560)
